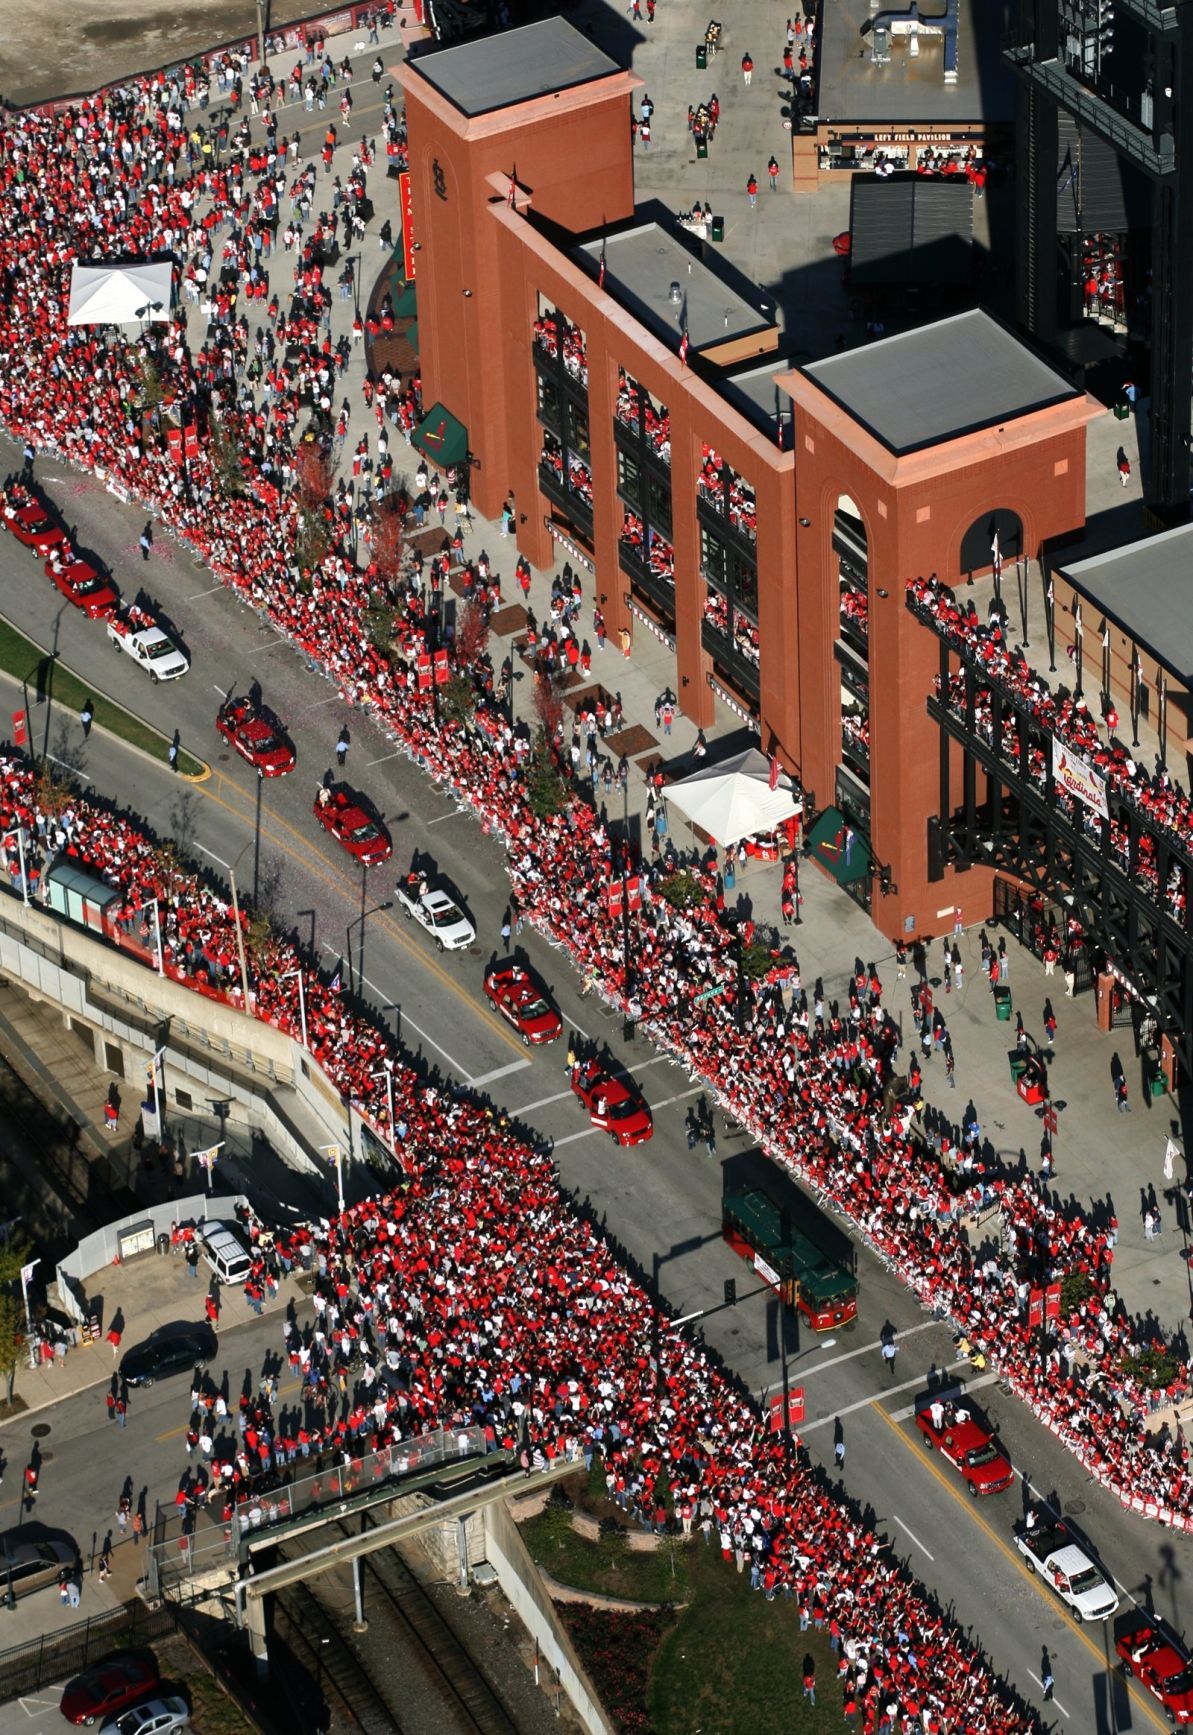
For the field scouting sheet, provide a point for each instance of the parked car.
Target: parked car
(339, 811)
(108, 1687)
(512, 992)
(29, 1566)
(433, 910)
(159, 1716)
(170, 1349)
(223, 1247)
(138, 635)
(611, 1105)
(258, 740)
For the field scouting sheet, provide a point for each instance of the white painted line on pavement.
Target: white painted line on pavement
(195, 595)
(272, 646)
(1040, 1685)
(315, 705)
(460, 1071)
(866, 1348)
(456, 812)
(667, 1101)
(396, 754)
(910, 1533)
(970, 1386)
(222, 691)
(528, 1107)
(500, 1072)
(572, 1137)
(864, 1403)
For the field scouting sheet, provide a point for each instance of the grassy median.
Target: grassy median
(20, 657)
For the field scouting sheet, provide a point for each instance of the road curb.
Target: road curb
(200, 776)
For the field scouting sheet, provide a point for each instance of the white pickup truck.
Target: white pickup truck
(433, 910)
(1049, 1550)
(138, 635)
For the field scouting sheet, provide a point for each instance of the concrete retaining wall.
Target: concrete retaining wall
(525, 1590)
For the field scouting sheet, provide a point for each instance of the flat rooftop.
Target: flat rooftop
(910, 229)
(939, 381)
(757, 396)
(494, 72)
(912, 88)
(643, 263)
(1144, 589)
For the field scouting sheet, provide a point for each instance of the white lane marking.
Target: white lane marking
(970, 1386)
(222, 691)
(572, 1137)
(1040, 1685)
(500, 1072)
(529, 1107)
(867, 1348)
(460, 1071)
(396, 754)
(864, 1403)
(667, 1101)
(272, 646)
(910, 1533)
(456, 812)
(195, 595)
(317, 703)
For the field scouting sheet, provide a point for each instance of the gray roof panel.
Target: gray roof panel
(1144, 589)
(939, 381)
(494, 72)
(642, 264)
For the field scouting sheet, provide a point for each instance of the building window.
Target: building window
(549, 410)
(855, 735)
(629, 479)
(551, 460)
(646, 419)
(560, 341)
(577, 436)
(729, 494)
(659, 506)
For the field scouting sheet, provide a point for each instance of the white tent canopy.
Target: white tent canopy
(130, 293)
(733, 799)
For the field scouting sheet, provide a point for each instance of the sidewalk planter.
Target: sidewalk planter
(1003, 1006)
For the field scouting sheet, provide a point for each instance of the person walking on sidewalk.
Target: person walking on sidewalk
(752, 190)
(747, 69)
(890, 1350)
(772, 169)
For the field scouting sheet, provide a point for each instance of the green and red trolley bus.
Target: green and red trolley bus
(794, 1258)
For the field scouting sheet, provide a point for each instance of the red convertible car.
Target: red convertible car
(107, 1687)
(83, 586)
(612, 1107)
(1165, 1672)
(948, 1426)
(339, 812)
(32, 525)
(256, 739)
(512, 993)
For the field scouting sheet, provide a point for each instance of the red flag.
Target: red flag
(779, 431)
(601, 272)
(513, 192)
(683, 350)
(773, 779)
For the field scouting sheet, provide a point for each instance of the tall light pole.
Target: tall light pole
(262, 9)
(230, 870)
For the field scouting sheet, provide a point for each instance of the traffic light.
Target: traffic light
(731, 1292)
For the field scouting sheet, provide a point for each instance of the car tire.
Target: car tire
(260, 773)
(1079, 1617)
(406, 912)
(525, 1040)
(1030, 1564)
(973, 1489)
(153, 676)
(929, 1442)
(1128, 1671)
(441, 946)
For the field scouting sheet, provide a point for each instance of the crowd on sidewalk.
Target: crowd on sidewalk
(504, 1303)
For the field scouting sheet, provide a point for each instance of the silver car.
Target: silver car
(154, 1717)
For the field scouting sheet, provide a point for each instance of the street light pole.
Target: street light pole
(230, 869)
(627, 1029)
(261, 10)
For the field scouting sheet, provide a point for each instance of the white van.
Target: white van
(226, 1251)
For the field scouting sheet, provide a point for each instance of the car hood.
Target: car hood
(1096, 1604)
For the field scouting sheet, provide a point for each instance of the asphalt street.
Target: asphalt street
(661, 1201)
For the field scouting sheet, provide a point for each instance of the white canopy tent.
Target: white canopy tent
(733, 799)
(133, 292)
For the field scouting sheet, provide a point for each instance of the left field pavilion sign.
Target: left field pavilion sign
(407, 204)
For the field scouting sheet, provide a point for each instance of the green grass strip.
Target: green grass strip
(19, 656)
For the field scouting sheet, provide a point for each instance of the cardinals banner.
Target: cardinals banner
(775, 768)
(441, 669)
(1076, 776)
(20, 729)
(423, 665)
(795, 1409)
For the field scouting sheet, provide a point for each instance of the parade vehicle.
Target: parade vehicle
(512, 992)
(433, 910)
(83, 586)
(1165, 1671)
(170, 1349)
(108, 1687)
(338, 811)
(949, 1426)
(258, 740)
(794, 1249)
(612, 1106)
(137, 634)
(1049, 1550)
(33, 525)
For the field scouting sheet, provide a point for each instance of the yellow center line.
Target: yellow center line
(969, 1506)
(303, 856)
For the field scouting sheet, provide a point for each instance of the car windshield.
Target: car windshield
(1181, 1682)
(445, 915)
(534, 1007)
(85, 586)
(621, 1111)
(160, 648)
(265, 743)
(986, 1454)
(363, 833)
(1088, 1579)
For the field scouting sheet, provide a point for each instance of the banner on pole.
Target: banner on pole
(1077, 777)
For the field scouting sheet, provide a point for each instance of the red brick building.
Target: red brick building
(628, 390)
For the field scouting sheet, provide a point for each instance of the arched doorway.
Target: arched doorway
(851, 792)
(977, 545)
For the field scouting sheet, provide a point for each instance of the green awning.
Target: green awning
(839, 847)
(441, 437)
(406, 306)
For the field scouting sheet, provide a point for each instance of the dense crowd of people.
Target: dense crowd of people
(502, 1305)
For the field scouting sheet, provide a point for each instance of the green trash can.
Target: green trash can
(718, 229)
(701, 57)
(701, 149)
(1002, 1004)
(1018, 1067)
(1122, 412)
(1155, 1084)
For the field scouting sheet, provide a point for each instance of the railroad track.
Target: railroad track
(394, 1597)
(316, 1640)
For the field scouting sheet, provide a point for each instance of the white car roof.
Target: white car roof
(438, 900)
(1071, 1560)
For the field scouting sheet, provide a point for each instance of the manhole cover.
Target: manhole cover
(1075, 1508)
(39, 1430)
